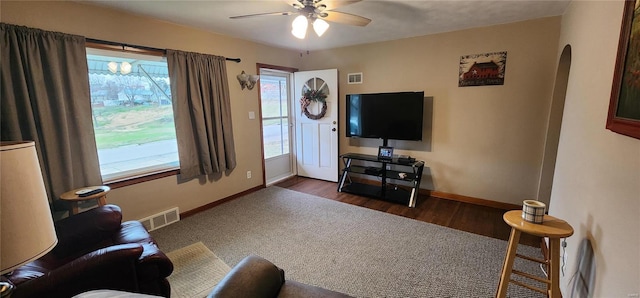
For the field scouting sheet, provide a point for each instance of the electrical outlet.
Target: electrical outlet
(248, 174)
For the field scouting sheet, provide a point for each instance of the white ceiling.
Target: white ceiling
(390, 19)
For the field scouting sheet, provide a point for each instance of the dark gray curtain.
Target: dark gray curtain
(202, 112)
(45, 98)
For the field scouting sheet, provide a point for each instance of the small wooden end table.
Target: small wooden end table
(73, 198)
(551, 227)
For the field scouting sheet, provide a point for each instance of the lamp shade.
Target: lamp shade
(26, 230)
(125, 67)
(243, 79)
(320, 26)
(254, 78)
(113, 67)
(299, 27)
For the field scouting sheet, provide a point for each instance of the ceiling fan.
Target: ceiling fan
(316, 12)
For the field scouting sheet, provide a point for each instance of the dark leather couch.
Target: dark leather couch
(96, 250)
(256, 277)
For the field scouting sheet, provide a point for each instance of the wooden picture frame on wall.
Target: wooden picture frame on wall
(624, 105)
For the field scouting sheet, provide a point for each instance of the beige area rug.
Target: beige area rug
(196, 271)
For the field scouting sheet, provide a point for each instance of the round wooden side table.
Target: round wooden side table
(74, 198)
(552, 228)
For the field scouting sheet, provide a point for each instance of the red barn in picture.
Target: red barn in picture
(482, 69)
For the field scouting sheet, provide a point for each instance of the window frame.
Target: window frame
(281, 116)
(153, 174)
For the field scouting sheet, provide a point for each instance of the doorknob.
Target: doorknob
(333, 129)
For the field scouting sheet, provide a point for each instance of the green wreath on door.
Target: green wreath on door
(310, 95)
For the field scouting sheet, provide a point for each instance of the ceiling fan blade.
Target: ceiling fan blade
(286, 13)
(346, 18)
(297, 4)
(333, 4)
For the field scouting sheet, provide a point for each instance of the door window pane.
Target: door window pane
(274, 96)
(284, 100)
(276, 137)
(275, 112)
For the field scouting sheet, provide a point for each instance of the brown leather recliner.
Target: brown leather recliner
(96, 250)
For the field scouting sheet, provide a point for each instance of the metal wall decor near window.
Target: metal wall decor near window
(624, 105)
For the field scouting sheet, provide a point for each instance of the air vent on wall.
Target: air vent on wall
(354, 78)
(161, 219)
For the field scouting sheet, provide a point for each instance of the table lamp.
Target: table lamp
(26, 225)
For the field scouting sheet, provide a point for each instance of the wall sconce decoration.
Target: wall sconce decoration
(248, 81)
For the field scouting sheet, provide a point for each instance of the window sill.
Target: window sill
(122, 182)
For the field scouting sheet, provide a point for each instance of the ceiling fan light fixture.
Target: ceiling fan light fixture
(112, 66)
(320, 26)
(299, 27)
(125, 67)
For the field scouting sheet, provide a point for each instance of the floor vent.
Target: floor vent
(161, 219)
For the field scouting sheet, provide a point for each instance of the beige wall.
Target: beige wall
(141, 200)
(596, 186)
(487, 142)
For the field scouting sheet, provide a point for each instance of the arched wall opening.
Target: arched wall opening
(553, 126)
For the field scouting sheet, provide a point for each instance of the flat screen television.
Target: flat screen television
(394, 116)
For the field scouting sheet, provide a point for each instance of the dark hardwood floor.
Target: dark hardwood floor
(463, 216)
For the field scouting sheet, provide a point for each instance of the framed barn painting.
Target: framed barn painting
(482, 69)
(624, 105)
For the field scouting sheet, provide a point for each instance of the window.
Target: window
(132, 113)
(275, 114)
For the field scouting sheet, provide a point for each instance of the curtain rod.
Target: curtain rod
(123, 45)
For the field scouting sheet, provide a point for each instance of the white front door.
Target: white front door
(317, 139)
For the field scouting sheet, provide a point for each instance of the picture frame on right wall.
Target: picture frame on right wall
(624, 104)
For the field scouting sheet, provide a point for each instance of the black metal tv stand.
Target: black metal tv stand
(403, 173)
